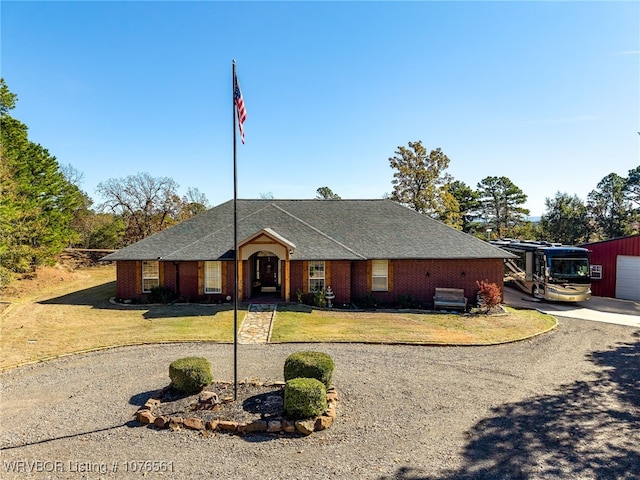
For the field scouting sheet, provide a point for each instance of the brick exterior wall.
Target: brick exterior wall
(349, 281)
(359, 280)
(420, 278)
(296, 270)
(168, 275)
(337, 276)
(189, 281)
(127, 281)
(340, 281)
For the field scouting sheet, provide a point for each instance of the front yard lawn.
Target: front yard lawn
(72, 313)
(391, 327)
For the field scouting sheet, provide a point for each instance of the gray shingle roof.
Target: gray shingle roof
(320, 229)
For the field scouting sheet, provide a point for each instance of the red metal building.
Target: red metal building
(615, 267)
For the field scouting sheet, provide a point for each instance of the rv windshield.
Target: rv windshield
(569, 268)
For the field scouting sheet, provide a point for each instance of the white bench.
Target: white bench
(450, 298)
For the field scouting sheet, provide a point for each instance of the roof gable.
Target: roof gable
(267, 235)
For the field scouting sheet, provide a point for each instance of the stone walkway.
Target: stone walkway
(256, 325)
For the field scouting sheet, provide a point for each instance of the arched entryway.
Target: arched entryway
(265, 262)
(266, 274)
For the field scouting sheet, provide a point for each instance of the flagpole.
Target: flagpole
(235, 240)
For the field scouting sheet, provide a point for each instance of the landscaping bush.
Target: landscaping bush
(318, 299)
(369, 301)
(313, 299)
(316, 365)
(190, 374)
(161, 294)
(489, 296)
(407, 301)
(304, 398)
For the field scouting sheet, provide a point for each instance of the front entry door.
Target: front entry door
(268, 273)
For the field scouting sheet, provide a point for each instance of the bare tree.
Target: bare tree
(193, 203)
(146, 204)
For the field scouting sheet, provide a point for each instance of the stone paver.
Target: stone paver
(256, 325)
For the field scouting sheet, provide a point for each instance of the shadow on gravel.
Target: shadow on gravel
(140, 399)
(588, 430)
(129, 424)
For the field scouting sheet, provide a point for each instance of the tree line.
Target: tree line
(43, 209)
(495, 207)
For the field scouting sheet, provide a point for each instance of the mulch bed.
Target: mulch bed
(255, 401)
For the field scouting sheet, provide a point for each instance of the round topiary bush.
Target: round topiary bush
(190, 374)
(316, 365)
(304, 398)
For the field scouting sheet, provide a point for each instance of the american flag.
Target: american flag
(242, 113)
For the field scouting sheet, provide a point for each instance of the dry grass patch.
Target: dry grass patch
(74, 314)
(429, 328)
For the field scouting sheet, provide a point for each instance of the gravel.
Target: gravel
(562, 405)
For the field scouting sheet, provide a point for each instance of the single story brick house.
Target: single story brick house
(287, 247)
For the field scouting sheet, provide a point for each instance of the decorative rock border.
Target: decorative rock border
(148, 415)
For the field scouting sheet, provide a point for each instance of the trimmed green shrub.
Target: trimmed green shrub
(304, 398)
(316, 365)
(190, 374)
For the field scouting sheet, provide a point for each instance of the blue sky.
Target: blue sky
(544, 93)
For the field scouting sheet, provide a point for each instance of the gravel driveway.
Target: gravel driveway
(562, 405)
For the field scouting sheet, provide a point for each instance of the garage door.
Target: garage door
(628, 278)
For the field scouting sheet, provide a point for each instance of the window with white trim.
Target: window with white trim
(213, 277)
(596, 272)
(379, 275)
(316, 276)
(150, 275)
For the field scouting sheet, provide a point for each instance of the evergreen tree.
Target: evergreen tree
(469, 205)
(609, 207)
(632, 194)
(326, 193)
(37, 203)
(565, 220)
(501, 203)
